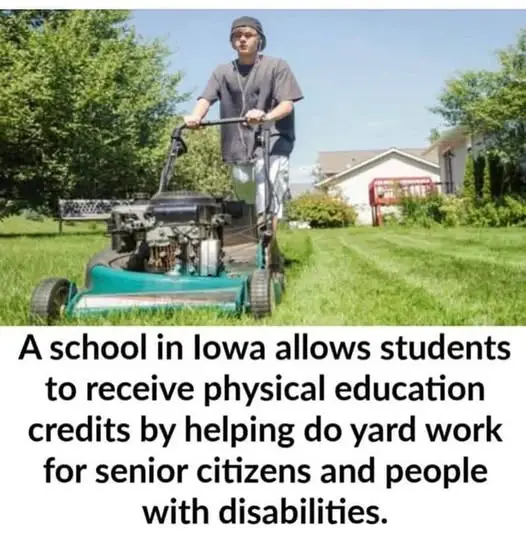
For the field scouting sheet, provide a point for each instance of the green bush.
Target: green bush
(321, 210)
(505, 212)
(455, 211)
(423, 211)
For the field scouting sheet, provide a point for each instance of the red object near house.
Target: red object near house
(388, 192)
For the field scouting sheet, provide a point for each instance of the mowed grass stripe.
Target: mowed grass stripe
(392, 294)
(445, 290)
(480, 293)
(342, 286)
(507, 242)
(470, 252)
(322, 293)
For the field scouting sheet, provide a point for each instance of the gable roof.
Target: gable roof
(332, 163)
(420, 157)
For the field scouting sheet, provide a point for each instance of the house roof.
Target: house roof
(420, 155)
(448, 137)
(335, 162)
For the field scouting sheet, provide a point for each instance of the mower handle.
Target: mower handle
(232, 120)
(179, 148)
(204, 123)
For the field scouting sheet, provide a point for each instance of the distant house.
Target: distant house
(351, 172)
(453, 148)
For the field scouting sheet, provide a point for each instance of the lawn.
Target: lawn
(360, 276)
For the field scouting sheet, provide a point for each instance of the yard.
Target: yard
(361, 276)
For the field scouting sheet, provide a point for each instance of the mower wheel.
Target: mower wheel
(49, 299)
(262, 297)
(111, 258)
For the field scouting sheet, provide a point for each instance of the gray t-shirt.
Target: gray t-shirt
(240, 88)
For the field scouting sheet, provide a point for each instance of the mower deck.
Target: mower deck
(114, 289)
(226, 299)
(118, 290)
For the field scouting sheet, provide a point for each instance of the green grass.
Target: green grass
(361, 276)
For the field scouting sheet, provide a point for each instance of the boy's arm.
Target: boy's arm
(279, 112)
(286, 92)
(201, 108)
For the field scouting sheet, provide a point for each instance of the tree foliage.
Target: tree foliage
(468, 188)
(86, 109)
(434, 135)
(202, 167)
(492, 104)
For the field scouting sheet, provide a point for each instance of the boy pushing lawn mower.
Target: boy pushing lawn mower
(267, 93)
(171, 251)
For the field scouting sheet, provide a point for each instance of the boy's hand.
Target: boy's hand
(192, 121)
(255, 116)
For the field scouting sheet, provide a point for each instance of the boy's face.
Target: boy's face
(245, 40)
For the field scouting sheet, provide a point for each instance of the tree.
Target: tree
(86, 108)
(434, 135)
(468, 190)
(486, 191)
(492, 104)
(202, 167)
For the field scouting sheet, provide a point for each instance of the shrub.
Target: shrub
(391, 219)
(505, 212)
(454, 211)
(321, 210)
(424, 211)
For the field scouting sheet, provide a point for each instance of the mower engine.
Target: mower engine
(176, 233)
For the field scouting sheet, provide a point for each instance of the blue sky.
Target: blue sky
(368, 76)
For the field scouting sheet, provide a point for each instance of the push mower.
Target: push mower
(178, 250)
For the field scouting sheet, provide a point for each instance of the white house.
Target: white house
(350, 173)
(453, 148)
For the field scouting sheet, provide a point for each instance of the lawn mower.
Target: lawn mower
(177, 250)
